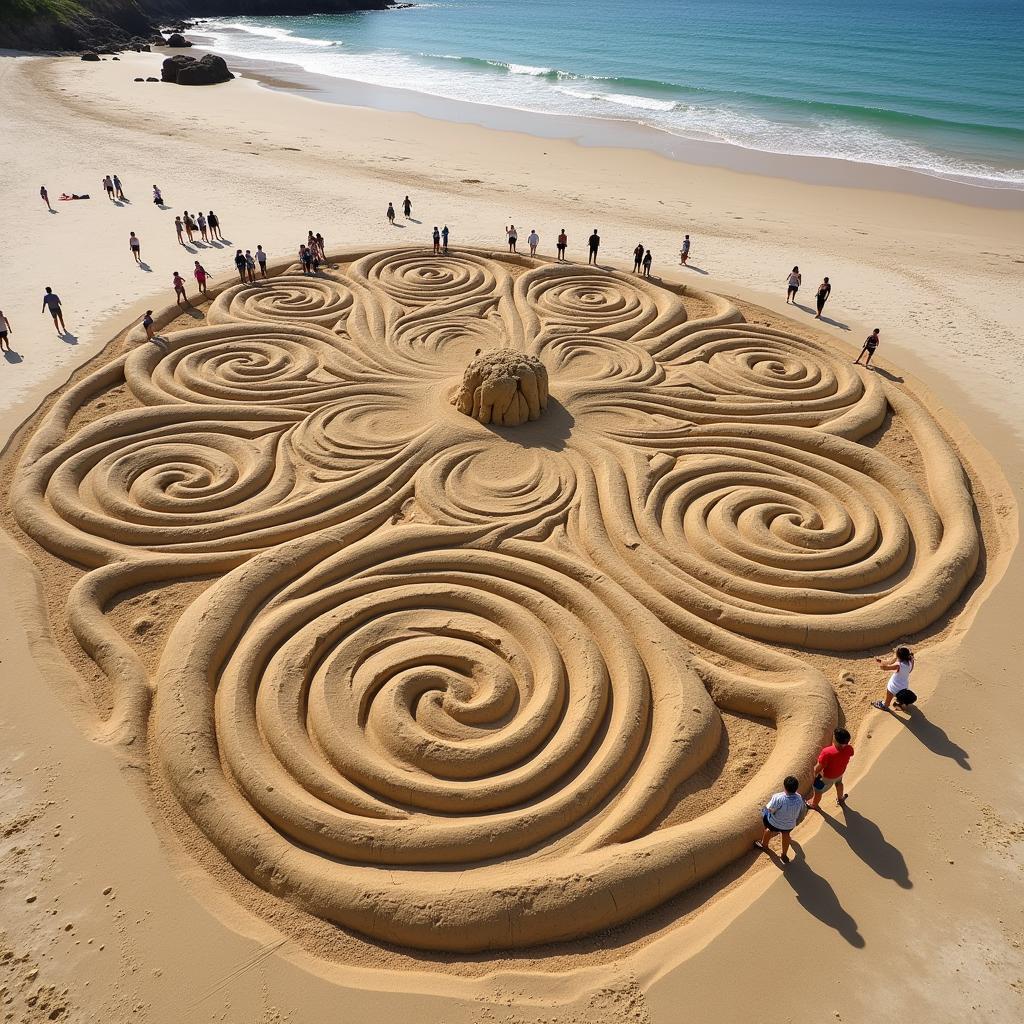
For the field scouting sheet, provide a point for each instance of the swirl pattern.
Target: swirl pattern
(450, 671)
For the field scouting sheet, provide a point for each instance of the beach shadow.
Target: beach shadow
(866, 840)
(695, 269)
(936, 739)
(118, 203)
(12, 357)
(806, 309)
(551, 431)
(225, 241)
(187, 246)
(819, 899)
(887, 375)
(196, 314)
(834, 323)
(51, 211)
(68, 338)
(413, 220)
(161, 206)
(146, 267)
(397, 225)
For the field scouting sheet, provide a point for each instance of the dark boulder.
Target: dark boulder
(152, 79)
(90, 56)
(176, 41)
(139, 79)
(173, 65)
(208, 70)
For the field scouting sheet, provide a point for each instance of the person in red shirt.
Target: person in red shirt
(828, 772)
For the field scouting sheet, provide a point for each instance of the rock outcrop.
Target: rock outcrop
(184, 70)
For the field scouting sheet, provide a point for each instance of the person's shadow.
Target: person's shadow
(143, 265)
(865, 838)
(835, 323)
(800, 305)
(161, 206)
(886, 374)
(68, 338)
(11, 356)
(51, 210)
(696, 270)
(819, 899)
(187, 246)
(935, 738)
(413, 220)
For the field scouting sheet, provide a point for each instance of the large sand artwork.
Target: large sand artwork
(443, 681)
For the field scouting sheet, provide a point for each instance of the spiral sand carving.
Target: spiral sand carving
(448, 676)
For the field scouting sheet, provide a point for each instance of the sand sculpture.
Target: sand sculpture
(503, 387)
(440, 681)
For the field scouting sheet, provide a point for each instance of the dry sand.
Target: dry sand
(925, 869)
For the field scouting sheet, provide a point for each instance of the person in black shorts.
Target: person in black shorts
(563, 241)
(594, 242)
(6, 330)
(407, 207)
(638, 257)
(391, 213)
(821, 296)
(240, 264)
(793, 283)
(51, 304)
(870, 344)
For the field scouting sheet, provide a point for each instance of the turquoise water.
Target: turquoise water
(936, 85)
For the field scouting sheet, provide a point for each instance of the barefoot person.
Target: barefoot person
(200, 276)
(780, 816)
(240, 265)
(250, 266)
(158, 198)
(533, 240)
(901, 664)
(513, 237)
(437, 240)
(179, 289)
(6, 330)
(213, 222)
(407, 207)
(444, 239)
(391, 213)
(828, 772)
(117, 187)
(560, 244)
(108, 187)
(179, 228)
(870, 345)
(147, 324)
(638, 257)
(793, 283)
(594, 243)
(684, 251)
(647, 261)
(261, 259)
(821, 296)
(45, 196)
(204, 233)
(51, 304)
(135, 245)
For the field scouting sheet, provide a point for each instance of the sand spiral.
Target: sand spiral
(413, 278)
(291, 299)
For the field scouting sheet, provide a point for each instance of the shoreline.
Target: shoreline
(592, 132)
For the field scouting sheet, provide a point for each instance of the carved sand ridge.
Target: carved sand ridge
(449, 676)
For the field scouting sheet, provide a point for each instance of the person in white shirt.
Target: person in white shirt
(261, 259)
(900, 665)
(534, 240)
(780, 816)
(6, 330)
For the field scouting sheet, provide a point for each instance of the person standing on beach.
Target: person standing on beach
(828, 772)
(407, 207)
(261, 259)
(214, 222)
(444, 239)
(240, 265)
(638, 257)
(648, 260)
(45, 196)
(533, 239)
(179, 227)
(684, 251)
(51, 304)
(179, 289)
(6, 330)
(158, 199)
(513, 237)
(117, 187)
(562, 242)
(200, 276)
(135, 245)
(780, 816)
(821, 296)
(319, 239)
(898, 688)
(147, 324)
(391, 213)
(250, 266)
(870, 345)
(190, 226)
(203, 230)
(594, 242)
(437, 241)
(108, 186)
(793, 285)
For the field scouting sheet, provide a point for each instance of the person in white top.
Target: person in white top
(898, 687)
(534, 239)
(780, 816)
(793, 283)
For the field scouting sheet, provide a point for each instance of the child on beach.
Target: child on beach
(828, 772)
(6, 330)
(391, 214)
(51, 304)
(898, 687)
(780, 816)
(179, 289)
(261, 259)
(684, 251)
(533, 239)
(638, 257)
(147, 324)
(821, 296)
(513, 237)
(870, 345)
(563, 241)
(135, 245)
(648, 260)
(200, 276)
(793, 285)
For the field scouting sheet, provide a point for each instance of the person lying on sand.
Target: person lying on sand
(65, 198)
(780, 816)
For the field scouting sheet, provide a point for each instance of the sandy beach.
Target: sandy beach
(119, 908)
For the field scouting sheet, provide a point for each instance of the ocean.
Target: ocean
(932, 85)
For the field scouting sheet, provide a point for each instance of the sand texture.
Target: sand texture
(443, 682)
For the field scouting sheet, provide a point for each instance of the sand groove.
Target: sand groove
(445, 684)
